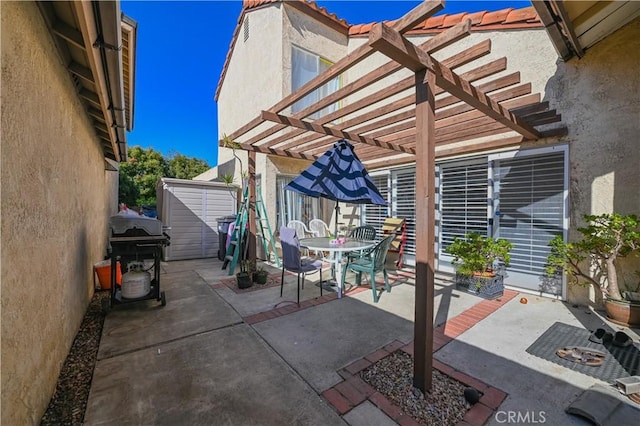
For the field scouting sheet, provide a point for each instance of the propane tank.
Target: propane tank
(136, 282)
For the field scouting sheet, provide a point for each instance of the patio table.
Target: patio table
(336, 251)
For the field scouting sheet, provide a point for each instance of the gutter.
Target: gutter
(101, 21)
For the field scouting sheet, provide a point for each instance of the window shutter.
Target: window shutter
(531, 208)
(463, 201)
(405, 204)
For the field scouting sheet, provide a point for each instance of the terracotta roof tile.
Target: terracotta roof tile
(520, 15)
(496, 17)
(434, 22)
(451, 20)
(476, 17)
(483, 20)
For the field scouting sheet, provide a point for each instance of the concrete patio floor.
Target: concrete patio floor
(216, 356)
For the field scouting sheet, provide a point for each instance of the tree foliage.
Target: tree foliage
(183, 167)
(140, 174)
(605, 239)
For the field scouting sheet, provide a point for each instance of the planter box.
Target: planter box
(623, 312)
(485, 287)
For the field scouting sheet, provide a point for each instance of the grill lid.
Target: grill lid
(122, 226)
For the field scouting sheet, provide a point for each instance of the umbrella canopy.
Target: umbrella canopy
(340, 176)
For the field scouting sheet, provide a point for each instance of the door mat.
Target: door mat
(618, 362)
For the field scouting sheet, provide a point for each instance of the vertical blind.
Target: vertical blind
(304, 67)
(291, 205)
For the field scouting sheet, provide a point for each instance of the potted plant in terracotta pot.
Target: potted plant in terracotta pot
(477, 259)
(593, 260)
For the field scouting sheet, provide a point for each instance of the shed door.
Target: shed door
(192, 218)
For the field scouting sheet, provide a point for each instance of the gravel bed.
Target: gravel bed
(69, 400)
(392, 376)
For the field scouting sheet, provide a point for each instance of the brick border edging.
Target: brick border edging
(278, 312)
(353, 391)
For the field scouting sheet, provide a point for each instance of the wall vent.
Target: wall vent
(246, 29)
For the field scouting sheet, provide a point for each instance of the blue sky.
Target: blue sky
(180, 54)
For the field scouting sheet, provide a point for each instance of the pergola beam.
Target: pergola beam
(394, 45)
(294, 122)
(457, 60)
(402, 25)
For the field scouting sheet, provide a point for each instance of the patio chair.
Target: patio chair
(319, 228)
(301, 230)
(363, 232)
(293, 261)
(372, 263)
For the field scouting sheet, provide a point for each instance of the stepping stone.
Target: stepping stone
(604, 405)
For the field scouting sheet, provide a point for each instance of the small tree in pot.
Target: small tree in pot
(476, 258)
(593, 260)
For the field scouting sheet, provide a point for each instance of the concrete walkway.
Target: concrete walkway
(215, 355)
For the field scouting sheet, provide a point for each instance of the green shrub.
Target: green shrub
(478, 254)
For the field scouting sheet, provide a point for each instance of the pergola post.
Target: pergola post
(252, 207)
(425, 228)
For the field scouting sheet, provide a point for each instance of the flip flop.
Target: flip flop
(582, 355)
(622, 339)
(598, 335)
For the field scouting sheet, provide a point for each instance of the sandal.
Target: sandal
(582, 355)
(622, 339)
(601, 336)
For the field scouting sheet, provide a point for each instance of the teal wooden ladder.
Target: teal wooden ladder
(239, 232)
(268, 242)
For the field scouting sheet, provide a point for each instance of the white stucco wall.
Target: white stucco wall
(599, 98)
(56, 200)
(259, 75)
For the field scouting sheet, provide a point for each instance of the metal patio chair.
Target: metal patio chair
(293, 261)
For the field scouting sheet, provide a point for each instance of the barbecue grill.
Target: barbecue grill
(136, 238)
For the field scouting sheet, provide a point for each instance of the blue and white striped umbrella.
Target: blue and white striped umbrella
(340, 176)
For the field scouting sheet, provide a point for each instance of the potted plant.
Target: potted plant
(593, 260)
(477, 259)
(244, 276)
(260, 275)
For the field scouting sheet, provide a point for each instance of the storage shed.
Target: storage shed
(189, 209)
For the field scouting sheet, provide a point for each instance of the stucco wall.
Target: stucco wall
(56, 199)
(255, 81)
(599, 98)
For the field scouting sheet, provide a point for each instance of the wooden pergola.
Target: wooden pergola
(436, 112)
